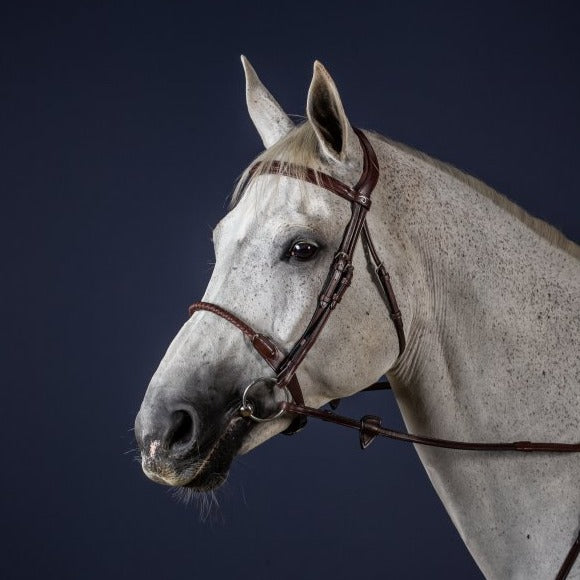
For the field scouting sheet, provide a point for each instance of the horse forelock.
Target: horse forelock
(300, 147)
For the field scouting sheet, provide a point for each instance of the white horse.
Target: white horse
(490, 298)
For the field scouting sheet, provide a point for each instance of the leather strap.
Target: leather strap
(341, 270)
(263, 344)
(370, 427)
(318, 178)
(267, 349)
(571, 557)
(385, 285)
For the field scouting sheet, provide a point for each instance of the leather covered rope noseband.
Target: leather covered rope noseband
(338, 280)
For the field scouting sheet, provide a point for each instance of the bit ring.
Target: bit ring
(247, 409)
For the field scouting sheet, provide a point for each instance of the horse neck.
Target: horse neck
(482, 294)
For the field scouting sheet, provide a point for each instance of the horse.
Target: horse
(488, 295)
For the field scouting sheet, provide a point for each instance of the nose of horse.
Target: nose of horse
(166, 432)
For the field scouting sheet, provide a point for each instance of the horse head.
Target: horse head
(273, 252)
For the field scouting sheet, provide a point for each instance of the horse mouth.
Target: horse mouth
(200, 471)
(212, 470)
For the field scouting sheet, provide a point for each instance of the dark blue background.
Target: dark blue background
(123, 126)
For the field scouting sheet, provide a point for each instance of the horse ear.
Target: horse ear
(267, 115)
(326, 114)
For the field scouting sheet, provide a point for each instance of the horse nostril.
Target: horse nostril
(182, 430)
(162, 432)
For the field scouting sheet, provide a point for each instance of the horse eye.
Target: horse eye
(303, 251)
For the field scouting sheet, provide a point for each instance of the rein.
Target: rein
(369, 428)
(338, 280)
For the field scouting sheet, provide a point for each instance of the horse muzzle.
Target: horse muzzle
(167, 439)
(173, 452)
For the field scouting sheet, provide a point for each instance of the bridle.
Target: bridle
(337, 281)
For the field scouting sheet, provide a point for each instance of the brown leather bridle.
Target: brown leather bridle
(338, 280)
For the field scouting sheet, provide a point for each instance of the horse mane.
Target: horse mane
(300, 147)
(540, 227)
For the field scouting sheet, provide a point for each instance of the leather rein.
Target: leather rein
(338, 280)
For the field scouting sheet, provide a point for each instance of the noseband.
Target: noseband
(337, 281)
